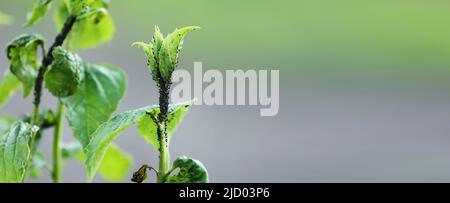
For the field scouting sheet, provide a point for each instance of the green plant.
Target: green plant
(155, 123)
(88, 93)
(159, 124)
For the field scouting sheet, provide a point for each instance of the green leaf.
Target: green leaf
(8, 86)
(22, 53)
(61, 15)
(98, 97)
(151, 50)
(5, 19)
(94, 26)
(147, 128)
(158, 39)
(108, 131)
(170, 49)
(191, 171)
(5, 123)
(78, 7)
(15, 151)
(64, 76)
(163, 53)
(114, 166)
(39, 10)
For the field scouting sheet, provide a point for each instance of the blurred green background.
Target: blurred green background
(404, 40)
(364, 85)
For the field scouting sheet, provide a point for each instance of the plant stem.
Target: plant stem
(47, 61)
(35, 117)
(56, 172)
(164, 160)
(164, 156)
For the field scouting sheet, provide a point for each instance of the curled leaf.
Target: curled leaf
(190, 171)
(64, 76)
(163, 53)
(22, 54)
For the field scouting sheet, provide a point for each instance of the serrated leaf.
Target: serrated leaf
(158, 39)
(108, 131)
(94, 27)
(22, 54)
(15, 151)
(190, 171)
(8, 86)
(162, 53)
(39, 10)
(96, 100)
(147, 128)
(169, 52)
(155, 66)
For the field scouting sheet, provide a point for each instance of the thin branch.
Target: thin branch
(151, 168)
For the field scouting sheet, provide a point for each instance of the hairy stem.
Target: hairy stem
(47, 61)
(56, 172)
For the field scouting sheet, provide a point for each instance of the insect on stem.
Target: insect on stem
(47, 61)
